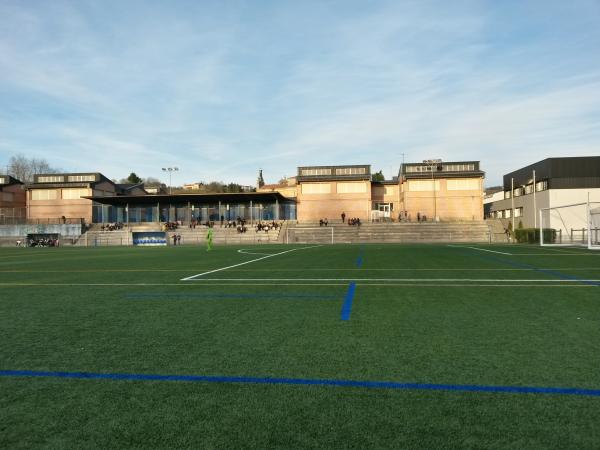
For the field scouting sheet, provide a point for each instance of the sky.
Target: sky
(222, 88)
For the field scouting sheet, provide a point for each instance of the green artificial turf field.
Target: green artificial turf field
(345, 346)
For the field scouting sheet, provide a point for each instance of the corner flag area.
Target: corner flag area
(300, 346)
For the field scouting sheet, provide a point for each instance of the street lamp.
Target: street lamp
(170, 170)
(433, 163)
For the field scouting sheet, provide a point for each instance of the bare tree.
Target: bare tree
(23, 168)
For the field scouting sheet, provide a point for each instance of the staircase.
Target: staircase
(497, 232)
(227, 236)
(474, 231)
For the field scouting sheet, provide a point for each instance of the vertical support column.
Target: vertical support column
(541, 230)
(276, 208)
(220, 211)
(250, 212)
(534, 204)
(158, 212)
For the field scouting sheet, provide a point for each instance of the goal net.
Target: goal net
(577, 224)
(310, 235)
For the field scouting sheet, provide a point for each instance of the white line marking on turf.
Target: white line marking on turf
(298, 284)
(481, 249)
(244, 252)
(481, 280)
(193, 277)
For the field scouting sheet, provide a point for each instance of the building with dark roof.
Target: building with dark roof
(549, 183)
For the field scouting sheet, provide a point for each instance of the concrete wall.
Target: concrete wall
(50, 209)
(446, 204)
(312, 206)
(12, 196)
(23, 230)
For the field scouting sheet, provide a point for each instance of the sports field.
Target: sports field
(345, 346)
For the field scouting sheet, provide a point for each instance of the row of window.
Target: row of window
(507, 213)
(466, 184)
(61, 178)
(445, 167)
(339, 171)
(528, 189)
(53, 194)
(342, 188)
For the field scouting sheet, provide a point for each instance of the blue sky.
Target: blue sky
(223, 88)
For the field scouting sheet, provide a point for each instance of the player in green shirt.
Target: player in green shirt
(209, 239)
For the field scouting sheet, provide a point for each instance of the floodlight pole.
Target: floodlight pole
(170, 170)
(589, 222)
(534, 203)
(512, 202)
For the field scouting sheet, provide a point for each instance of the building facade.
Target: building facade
(328, 191)
(550, 183)
(12, 200)
(67, 196)
(445, 191)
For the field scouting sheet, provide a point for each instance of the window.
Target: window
(351, 188)
(81, 178)
(518, 191)
(458, 167)
(529, 189)
(423, 185)
(44, 194)
(541, 185)
(506, 194)
(519, 212)
(316, 188)
(3, 180)
(467, 184)
(50, 179)
(351, 171)
(312, 172)
(507, 214)
(72, 194)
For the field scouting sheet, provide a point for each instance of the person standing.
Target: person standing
(344, 217)
(209, 240)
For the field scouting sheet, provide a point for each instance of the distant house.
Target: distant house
(65, 195)
(12, 199)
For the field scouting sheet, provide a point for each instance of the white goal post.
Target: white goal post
(309, 235)
(577, 224)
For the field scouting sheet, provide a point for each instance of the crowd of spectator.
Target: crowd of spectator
(355, 221)
(266, 226)
(112, 226)
(43, 242)
(171, 226)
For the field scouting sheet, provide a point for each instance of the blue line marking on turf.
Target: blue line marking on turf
(208, 295)
(359, 259)
(347, 306)
(522, 265)
(303, 381)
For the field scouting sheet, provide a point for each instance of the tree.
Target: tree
(134, 179)
(23, 168)
(378, 176)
